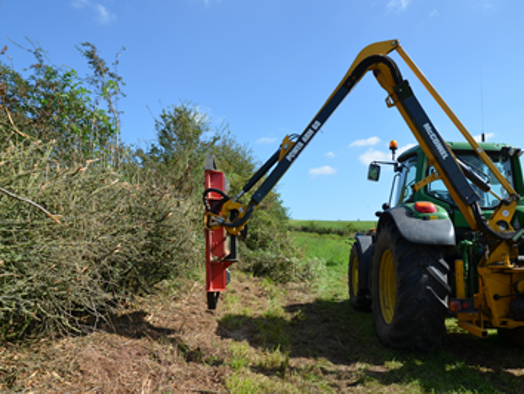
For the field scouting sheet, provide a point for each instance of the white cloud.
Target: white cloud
(398, 5)
(478, 138)
(330, 154)
(434, 13)
(367, 142)
(325, 170)
(103, 15)
(266, 140)
(201, 114)
(373, 155)
(377, 155)
(207, 2)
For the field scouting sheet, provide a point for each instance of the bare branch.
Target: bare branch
(13, 124)
(34, 204)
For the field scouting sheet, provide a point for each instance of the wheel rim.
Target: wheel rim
(354, 276)
(387, 286)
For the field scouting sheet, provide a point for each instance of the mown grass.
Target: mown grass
(320, 344)
(268, 368)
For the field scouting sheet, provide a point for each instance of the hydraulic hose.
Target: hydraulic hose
(218, 206)
(473, 176)
(223, 200)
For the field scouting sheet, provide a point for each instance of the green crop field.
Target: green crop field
(339, 227)
(331, 253)
(338, 224)
(332, 249)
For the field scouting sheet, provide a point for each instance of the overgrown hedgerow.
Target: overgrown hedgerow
(116, 237)
(119, 220)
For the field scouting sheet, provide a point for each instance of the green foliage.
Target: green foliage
(124, 219)
(54, 103)
(122, 227)
(181, 147)
(185, 138)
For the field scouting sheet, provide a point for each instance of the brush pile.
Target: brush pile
(76, 240)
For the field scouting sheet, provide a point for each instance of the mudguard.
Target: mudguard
(425, 232)
(364, 247)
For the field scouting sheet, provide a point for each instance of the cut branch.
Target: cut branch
(34, 204)
(13, 124)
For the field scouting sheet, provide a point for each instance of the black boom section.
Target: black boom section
(436, 144)
(304, 139)
(316, 124)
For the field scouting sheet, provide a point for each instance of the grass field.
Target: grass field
(333, 224)
(331, 253)
(313, 341)
(464, 364)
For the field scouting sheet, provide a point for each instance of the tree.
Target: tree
(54, 103)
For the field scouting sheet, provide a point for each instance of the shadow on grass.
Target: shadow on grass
(134, 325)
(331, 330)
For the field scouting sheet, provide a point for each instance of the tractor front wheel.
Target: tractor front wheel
(358, 291)
(409, 292)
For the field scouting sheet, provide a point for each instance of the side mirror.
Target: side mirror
(374, 172)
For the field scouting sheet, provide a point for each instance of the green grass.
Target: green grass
(332, 249)
(342, 351)
(330, 253)
(378, 369)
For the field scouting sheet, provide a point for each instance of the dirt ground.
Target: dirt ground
(167, 343)
(171, 343)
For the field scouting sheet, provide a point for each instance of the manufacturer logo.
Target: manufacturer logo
(308, 135)
(303, 141)
(436, 141)
(295, 151)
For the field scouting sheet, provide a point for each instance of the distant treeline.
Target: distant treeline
(322, 227)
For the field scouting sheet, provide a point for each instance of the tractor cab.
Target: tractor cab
(412, 167)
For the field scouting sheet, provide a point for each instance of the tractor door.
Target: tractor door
(408, 177)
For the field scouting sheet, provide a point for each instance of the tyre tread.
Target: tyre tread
(422, 291)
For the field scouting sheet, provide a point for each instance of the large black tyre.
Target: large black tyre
(359, 295)
(409, 291)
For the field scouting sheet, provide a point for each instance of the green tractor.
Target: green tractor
(424, 263)
(450, 244)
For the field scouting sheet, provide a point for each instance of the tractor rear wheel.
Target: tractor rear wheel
(358, 292)
(409, 292)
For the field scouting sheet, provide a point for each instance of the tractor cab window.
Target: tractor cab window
(408, 178)
(438, 190)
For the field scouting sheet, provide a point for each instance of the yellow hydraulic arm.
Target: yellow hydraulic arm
(234, 216)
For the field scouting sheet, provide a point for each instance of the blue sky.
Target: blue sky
(266, 68)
